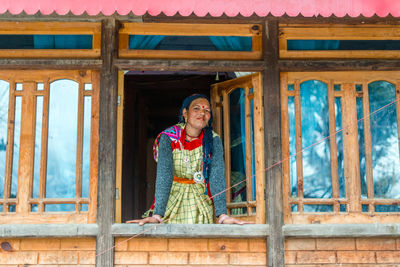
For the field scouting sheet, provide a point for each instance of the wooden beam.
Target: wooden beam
(273, 146)
(47, 230)
(197, 65)
(107, 143)
(33, 64)
(339, 65)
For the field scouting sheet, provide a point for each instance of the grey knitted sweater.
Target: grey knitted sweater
(165, 173)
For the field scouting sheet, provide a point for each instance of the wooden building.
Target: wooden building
(305, 96)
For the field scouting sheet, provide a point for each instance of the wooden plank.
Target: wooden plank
(259, 146)
(183, 29)
(248, 155)
(273, 145)
(350, 147)
(217, 109)
(192, 230)
(343, 218)
(79, 146)
(286, 157)
(64, 64)
(43, 153)
(48, 230)
(346, 54)
(368, 144)
(27, 147)
(44, 218)
(50, 53)
(299, 144)
(20, 27)
(107, 142)
(120, 120)
(339, 65)
(10, 143)
(94, 147)
(333, 147)
(189, 54)
(231, 85)
(198, 65)
(227, 147)
(349, 230)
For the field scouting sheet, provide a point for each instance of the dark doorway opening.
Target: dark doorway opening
(151, 104)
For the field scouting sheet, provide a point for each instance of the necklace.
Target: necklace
(192, 136)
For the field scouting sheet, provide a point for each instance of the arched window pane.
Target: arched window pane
(16, 146)
(62, 139)
(86, 145)
(4, 98)
(315, 126)
(384, 140)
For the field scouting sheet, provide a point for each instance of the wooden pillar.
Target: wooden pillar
(107, 144)
(273, 145)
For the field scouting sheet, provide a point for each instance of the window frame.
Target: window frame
(53, 28)
(348, 94)
(245, 30)
(24, 198)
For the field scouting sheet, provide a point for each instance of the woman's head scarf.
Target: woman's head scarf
(207, 132)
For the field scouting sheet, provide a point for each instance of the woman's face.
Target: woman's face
(198, 114)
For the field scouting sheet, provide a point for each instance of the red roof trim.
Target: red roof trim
(200, 8)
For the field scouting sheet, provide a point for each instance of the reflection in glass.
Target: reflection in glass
(34, 208)
(292, 146)
(339, 147)
(238, 145)
(342, 208)
(4, 98)
(38, 146)
(86, 145)
(365, 208)
(318, 208)
(17, 133)
(62, 140)
(361, 147)
(11, 208)
(59, 207)
(387, 208)
(295, 208)
(253, 163)
(84, 207)
(385, 141)
(290, 87)
(315, 127)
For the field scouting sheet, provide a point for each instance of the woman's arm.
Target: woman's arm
(217, 177)
(164, 178)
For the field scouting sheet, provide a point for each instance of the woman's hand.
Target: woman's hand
(225, 219)
(153, 219)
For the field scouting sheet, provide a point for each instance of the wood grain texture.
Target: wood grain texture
(107, 143)
(273, 145)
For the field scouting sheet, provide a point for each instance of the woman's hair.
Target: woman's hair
(207, 132)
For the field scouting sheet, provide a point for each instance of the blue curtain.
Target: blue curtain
(62, 41)
(144, 41)
(232, 43)
(313, 44)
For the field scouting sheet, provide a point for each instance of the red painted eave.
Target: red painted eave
(215, 8)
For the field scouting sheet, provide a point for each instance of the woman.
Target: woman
(190, 170)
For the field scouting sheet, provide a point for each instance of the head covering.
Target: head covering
(207, 132)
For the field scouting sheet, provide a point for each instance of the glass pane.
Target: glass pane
(34, 208)
(237, 140)
(359, 87)
(4, 98)
(315, 126)
(18, 86)
(38, 146)
(387, 208)
(292, 146)
(290, 87)
(39, 41)
(343, 45)
(365, 208)
(361, 147)
(84, 207)
(11, 208)
(253, 163)
(88, 86)
(1, 208)
(59, 207)
(40, 86)
(337, 87)
(295, 208)
(339, 147)
(17, 133)
(385, 140)
(86, 145)
(318, 208)
(62, 140)
(199, 43)
(342, 208)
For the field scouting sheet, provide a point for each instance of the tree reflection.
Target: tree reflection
(4, 98)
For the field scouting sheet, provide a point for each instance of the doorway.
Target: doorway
(151, 103)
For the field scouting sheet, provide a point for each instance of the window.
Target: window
(346, 41)
(239, 121)
(341, 146)
(49, 152)
(50, 39)
(184, 41)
